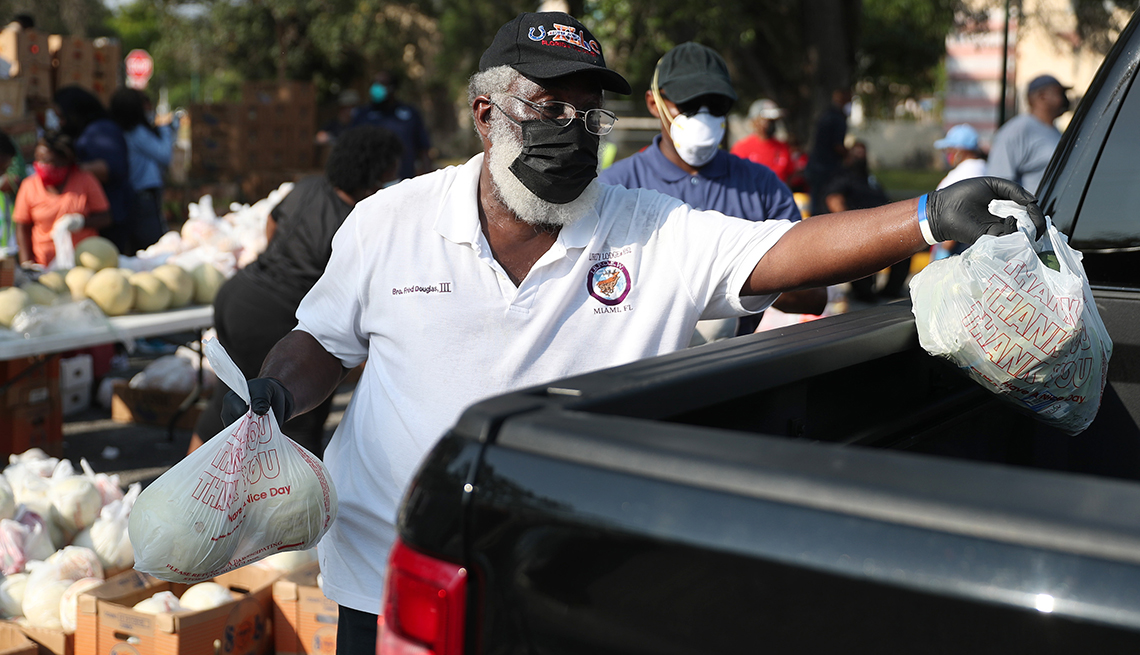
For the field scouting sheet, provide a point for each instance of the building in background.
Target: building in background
(1043, 39)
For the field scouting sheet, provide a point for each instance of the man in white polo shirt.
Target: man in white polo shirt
(518, 268)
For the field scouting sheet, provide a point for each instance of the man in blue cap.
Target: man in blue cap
(1023, 146)
(518, 268)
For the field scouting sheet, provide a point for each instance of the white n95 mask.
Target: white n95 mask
(697, 137)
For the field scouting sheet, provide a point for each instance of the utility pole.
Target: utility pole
(1004, 102)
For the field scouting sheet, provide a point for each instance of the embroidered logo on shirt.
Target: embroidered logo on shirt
(609, 282)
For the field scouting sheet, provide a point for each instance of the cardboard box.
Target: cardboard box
(74, 60)
(28, 380)
(13, 641)
(151, 407)
(13, 99)
(76, 371)
(48, 641)
(7, 271)
(24, 48)
(107, 625)
(74, 400)
(303, 619)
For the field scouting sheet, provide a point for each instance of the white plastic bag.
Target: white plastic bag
(246, 494)
(108, 535)
(1020, 328)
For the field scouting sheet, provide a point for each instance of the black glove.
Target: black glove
(960, 212)
(263, 394)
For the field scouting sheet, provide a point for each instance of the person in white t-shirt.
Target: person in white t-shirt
(966, 160)
(519, 268)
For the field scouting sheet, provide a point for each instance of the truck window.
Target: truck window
(1107, 228)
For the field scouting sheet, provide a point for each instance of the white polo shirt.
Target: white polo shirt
(412, 287)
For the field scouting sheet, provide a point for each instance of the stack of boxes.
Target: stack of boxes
(75, 381)
(40, 64)
(266, 139)
(107, 61)
(30, 57)
(30, 405)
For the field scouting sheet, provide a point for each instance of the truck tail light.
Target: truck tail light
(424, 605)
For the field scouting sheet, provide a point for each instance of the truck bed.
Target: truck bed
(825, 485)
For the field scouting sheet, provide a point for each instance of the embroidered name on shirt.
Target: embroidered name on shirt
(441, 287)
(612, 254)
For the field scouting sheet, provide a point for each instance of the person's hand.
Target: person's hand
(960, 212)
(264, 393)
(72, 222)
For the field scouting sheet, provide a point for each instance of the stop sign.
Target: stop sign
(139, 68)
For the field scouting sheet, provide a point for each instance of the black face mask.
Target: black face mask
(556, 163)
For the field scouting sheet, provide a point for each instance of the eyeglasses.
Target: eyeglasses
(598, 121)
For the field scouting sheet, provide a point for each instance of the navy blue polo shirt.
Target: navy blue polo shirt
(727, 184)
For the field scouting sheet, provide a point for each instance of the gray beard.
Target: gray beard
(505, 147)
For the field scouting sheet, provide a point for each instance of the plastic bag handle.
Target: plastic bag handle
(227, 371)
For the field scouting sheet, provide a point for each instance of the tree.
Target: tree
(902, 45)
(793, 51)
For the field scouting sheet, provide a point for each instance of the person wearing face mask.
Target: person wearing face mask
(519, 267)
(101, 150)
(1023, 146)
(399, 118)
(762, 146)
(690, 94)
(59, 191)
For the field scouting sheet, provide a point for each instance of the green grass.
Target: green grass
(902, 183)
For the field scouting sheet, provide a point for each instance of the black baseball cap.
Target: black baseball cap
(548, 45)
(691, 70)
(1042, 81)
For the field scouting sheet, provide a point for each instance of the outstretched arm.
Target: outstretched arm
(835, 248)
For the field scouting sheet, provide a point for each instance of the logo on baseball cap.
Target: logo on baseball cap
(548, 45)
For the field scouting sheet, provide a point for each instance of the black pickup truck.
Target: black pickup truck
(824, 488)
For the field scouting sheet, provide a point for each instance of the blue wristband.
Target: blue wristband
(923, 224)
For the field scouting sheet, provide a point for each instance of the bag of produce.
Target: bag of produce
(246, 494)
(1018, 316)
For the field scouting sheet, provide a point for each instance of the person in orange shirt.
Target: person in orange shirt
(762, 146)
(58, 189)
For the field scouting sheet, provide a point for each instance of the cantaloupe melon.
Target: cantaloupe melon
(39, 294)
(207, 281)
(12, 300)
(180, 283)
(151, 294)
(96, 253)
(54, 281)
(76, 280)
(112, 291)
